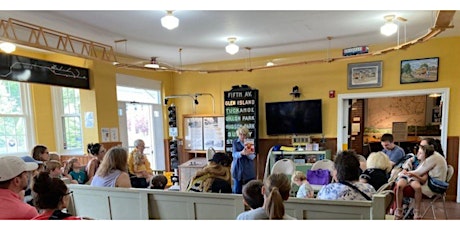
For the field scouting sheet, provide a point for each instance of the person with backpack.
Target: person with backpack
(214, 177)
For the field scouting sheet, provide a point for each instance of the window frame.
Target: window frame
(58, 117)
(27, 113)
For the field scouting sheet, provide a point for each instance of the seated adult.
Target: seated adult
(28, 198)
(394, 152)
(113, 170)
(214, 177)
(97, 151)
(378, 169)
(413, 183)
(14, 177)
(276, 190)
(348, 186)
(436, 143)
(51, 197)
(40, 153)
(139, 166)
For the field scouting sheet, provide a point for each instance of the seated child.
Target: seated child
(139, 163)
(252, 194)
(305, 190)
(159, 182)
(74, 170)
(54, 169)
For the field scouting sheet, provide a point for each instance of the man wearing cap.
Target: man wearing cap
(14, 177)
(28, 197)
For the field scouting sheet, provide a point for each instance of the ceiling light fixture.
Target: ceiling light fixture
(169, 21)
(232, 48)
(7, 47)
(153, 63)
(389, 28)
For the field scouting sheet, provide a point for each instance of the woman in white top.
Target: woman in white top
(432, 164)
(113, 170)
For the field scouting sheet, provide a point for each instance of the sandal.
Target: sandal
(399, 214)
(417, 215)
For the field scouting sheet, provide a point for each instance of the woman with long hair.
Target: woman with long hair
(97, 151)
(113, 171)
(413, 182)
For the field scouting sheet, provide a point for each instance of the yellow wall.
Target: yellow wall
(316, 80)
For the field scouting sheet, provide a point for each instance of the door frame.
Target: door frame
(343, 115)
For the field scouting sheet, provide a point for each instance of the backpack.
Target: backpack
(195, 185)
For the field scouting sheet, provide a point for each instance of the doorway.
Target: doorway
(137, 121)
(140, 116)
(343, 105)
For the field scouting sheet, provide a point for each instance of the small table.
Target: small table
(188, 169)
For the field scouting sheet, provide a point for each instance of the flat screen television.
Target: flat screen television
(294, 117)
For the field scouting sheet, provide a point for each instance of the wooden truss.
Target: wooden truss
(30, 35)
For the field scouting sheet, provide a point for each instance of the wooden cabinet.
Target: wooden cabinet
(188, 169)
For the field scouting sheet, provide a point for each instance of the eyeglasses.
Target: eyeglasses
(70, 192)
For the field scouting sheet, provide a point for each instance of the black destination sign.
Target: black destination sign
(241, 108)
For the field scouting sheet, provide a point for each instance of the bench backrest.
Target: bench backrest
(144, 204)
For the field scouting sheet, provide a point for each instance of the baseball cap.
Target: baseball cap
(12, 166)
(30, 159)
(221, 158)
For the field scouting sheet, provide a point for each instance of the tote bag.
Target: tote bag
(318, 176)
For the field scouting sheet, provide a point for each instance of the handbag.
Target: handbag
(318, 176)
(437, 186)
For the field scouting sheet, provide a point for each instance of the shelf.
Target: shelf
(297, 152)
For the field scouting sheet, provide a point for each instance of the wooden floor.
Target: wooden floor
(452, 208)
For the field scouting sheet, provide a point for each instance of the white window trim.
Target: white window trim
(56, 95)
(29, 120)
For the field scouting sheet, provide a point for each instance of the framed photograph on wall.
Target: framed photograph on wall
(365, 75)
(419, 70)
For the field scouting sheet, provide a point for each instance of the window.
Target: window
(16, 135)
(68, 120)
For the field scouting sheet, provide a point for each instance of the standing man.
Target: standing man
(394, 152)
(14, 177)
(243, 169)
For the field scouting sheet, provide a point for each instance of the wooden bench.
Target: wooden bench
(144, 204)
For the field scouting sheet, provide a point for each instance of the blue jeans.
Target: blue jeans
(238, 185)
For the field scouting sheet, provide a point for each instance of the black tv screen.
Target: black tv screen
(294, 117)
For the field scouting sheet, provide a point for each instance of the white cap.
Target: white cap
(12, 166)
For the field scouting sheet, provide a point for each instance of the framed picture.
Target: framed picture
(419, 70)
(365, 75)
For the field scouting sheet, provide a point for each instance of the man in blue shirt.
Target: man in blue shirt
(394, 152)
(243, 169)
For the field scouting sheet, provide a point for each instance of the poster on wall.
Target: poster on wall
(241, 108)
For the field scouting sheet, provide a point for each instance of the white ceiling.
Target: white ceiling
(202, 35)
